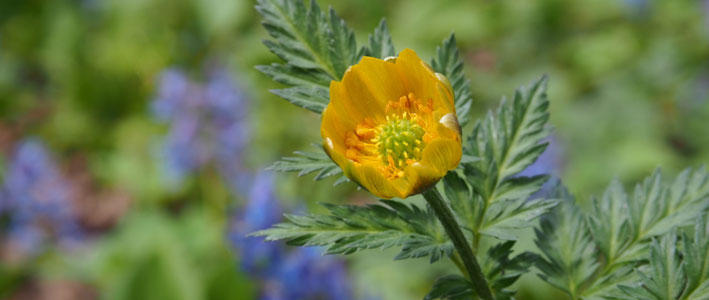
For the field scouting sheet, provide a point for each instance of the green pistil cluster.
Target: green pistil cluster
(399, 140)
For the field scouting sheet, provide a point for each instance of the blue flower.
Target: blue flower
(228, 110)
(208, 127)
(307, 274)
(301, 273)
(37, 199)
(260, 212)
(208, 124)
(173, 89)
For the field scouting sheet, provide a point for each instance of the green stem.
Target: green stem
(445, 215)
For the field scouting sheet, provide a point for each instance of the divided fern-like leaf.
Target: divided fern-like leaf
(678, 267)
(342, 46)
(451, 287)
(306, 162)
(567, 247)
(448, 62)
(620, 229)
(696, 258)
(348, 229)
(506, 142)
(501, 219)
(500, 270)
(317, 48)
(623, 225)
(468, 206)
(309, 97)
(380, 44)
(665, 278)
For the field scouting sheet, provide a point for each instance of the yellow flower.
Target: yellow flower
(391, 125)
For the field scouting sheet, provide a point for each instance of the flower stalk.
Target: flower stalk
(444, 214)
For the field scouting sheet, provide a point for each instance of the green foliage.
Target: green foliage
(506, 142)
(500, 270)
(309, 162)
(567, 248)
(317, 48)
(696, 261)
(619, 230)
(152, 256)
(448, 62)
(453, 287)
(380, 44)
(653, 210)
(666, 279)
(307, 38)
(348, 229)
(678, 267)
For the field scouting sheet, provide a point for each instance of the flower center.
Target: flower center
(395, 143)
(399, 140)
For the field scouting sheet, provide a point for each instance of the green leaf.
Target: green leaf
(308, 162)
(448, 62)
(452, 287)
(684, 200)
(380, 44)
(665, 278)
(678, 267)
(348, 229)
(610, 222)
(501, 270)
(696, 257)
(316, 47)
(342, 47)
(467, 206)
(300, 34)
(623, 226)
(310, 87)
(506, 142)
(290, 75)
(505, 216)
(311, 98)
(567, 247)
(510, 139)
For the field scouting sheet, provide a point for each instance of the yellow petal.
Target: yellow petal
(375, 83)
(420, 177)
(421, 80)
(372, 179)
(335, 127)
(446, 96)
(344, 103)
(442, 155)
(336, 153)
(365, 90)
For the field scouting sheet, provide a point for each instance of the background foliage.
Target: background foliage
(629, 90)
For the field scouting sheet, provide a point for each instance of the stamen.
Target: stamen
(403, 138)
(397, 142)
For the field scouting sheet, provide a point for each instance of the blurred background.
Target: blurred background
(134, 134)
